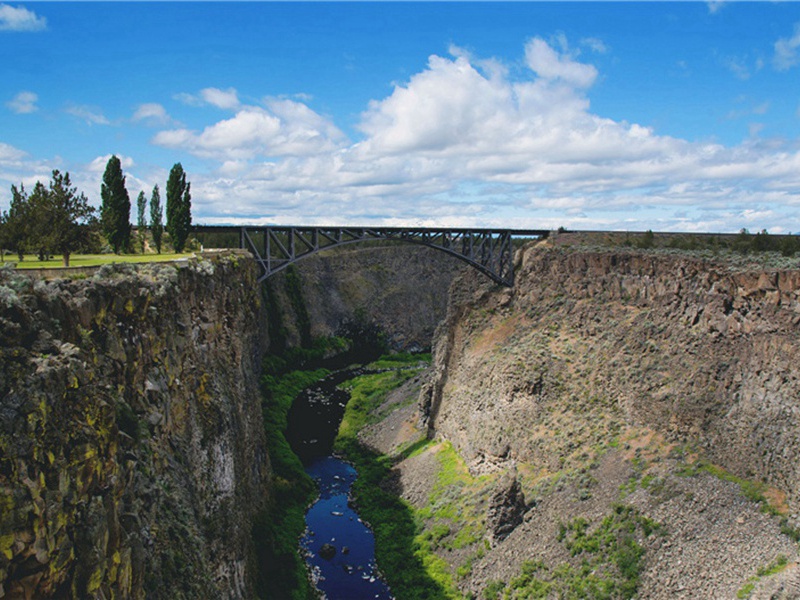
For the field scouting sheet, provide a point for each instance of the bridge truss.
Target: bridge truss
(276, 247)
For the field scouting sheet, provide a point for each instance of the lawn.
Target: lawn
(92, 260)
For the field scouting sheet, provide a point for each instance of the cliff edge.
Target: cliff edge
(132, 451)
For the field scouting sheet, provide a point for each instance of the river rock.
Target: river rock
(327, 551)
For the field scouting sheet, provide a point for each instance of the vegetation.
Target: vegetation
(752, 490)
(59, 220)
(410, 569)
(776, 566)
(141, 218)
(179, 207)
(115, 211)
(54, 219)
(156, 219)
(281, 571)
(610, 561)
(743, 243)
(93, 260)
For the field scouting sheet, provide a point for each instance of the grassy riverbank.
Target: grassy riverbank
(410, 569)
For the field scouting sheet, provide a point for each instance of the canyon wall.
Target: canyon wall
(402, 288)
(132, 450)
(590, 342)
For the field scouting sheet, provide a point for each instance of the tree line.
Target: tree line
(58, 219)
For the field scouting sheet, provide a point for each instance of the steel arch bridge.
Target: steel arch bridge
(276, 247)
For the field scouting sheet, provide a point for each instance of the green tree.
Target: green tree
(179, 207)
(3, 236)
(156, 219)
(141, 221)
(18, 222)
(55, 219)
(115, 212)
(70, 216)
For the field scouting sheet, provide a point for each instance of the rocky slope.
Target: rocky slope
(402, 288)
(132, 451)
(662, 382)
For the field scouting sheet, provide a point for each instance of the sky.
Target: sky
(677, 116)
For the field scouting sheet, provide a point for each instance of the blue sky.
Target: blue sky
(589, 115)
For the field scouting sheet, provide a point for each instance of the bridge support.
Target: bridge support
(275, 248)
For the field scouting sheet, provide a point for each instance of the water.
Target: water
(351, 573)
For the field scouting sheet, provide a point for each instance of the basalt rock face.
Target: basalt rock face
(590, 342)
(132, 450)
(402, 288)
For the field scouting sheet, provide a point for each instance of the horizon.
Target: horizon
(628, 116)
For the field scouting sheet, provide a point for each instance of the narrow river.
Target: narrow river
(339, 548)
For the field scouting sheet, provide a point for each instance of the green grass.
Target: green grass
(410, 569)
(92, 260)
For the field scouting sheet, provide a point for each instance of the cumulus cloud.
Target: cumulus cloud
(283, 128)
(88, 114)
(23, 103)
(151, 113)
(20, 19)
(225, 99)
(470, 141)
(548, 63)
(786, 51)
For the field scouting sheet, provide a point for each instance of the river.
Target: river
(339, 548)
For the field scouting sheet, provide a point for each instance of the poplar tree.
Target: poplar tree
(156, 219)
(141, 221)
(115, 212)
(179, 207)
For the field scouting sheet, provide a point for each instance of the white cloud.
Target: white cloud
(88, 114)
(786, 51)
(470, 142)
(225, 99)
(20, 19)
(188, 99)
(284, 128)
(714, 6)
(8, 153)
(546, 62)
(98, 165)
(23, 103)
(595, 45)
(151, 113)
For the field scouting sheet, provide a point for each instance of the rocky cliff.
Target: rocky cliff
(701, 353)
(402, 288)
(662, 380)
(132, 451)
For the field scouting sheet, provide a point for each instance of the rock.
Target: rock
(327, 551)
(506, 508)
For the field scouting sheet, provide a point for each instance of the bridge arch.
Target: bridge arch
(276, 247)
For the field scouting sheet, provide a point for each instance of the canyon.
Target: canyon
(643, 389)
